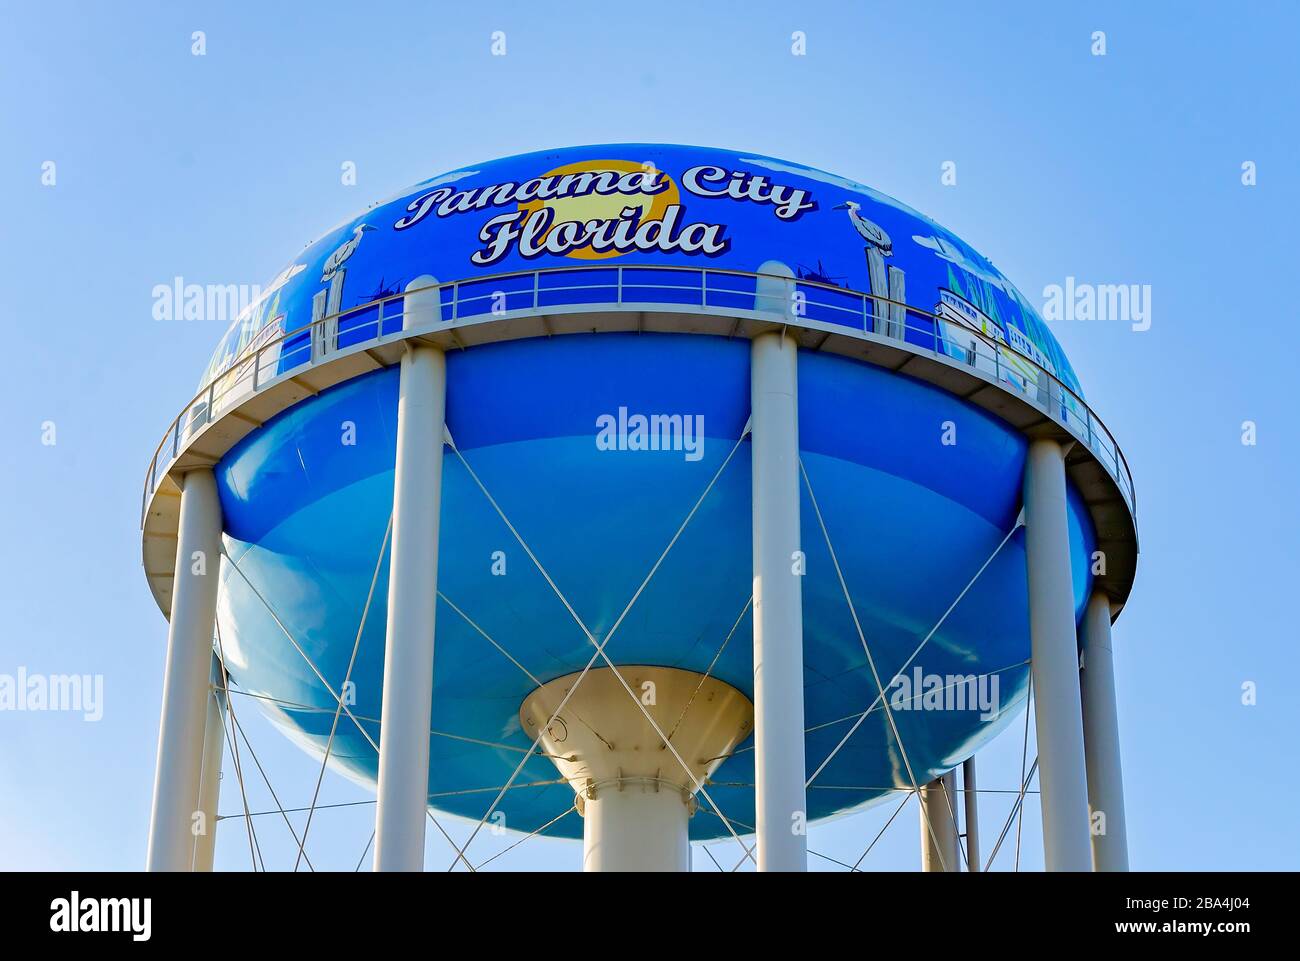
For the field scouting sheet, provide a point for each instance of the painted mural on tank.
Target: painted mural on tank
(647, 206)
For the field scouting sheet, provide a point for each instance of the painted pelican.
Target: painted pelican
(870, 232)
(346, 250)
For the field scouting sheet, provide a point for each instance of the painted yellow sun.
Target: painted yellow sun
(596, 206)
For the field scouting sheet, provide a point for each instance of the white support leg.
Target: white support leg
(636, 827)
(402, 796)
(1101, 739)
(1055, 662)
(185, 683)
(214, 731)
(970, 797)
(778, 607)
(938, 828)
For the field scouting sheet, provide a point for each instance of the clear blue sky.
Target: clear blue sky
(1117, 169)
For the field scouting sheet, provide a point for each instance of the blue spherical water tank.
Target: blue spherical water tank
(585, 286)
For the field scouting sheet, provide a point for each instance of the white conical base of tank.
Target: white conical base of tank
(634, 795)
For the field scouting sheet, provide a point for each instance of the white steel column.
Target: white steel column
(636, 827)
(214, 736)
(185, 683)
(1055, 662)
(403, 789)
(970, 798)
(778, 607)
(938, 824)
(1101, 739)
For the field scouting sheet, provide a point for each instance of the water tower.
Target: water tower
(643, 494)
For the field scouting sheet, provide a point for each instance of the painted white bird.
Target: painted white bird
(870, 232)
(346, 250)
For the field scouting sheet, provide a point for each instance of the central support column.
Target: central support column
(636, 826)
(781, 807)
(1055, 662)
(938, 824)
(1101, 739)
(402, 795)
(185, 683)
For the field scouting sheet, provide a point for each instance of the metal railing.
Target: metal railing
(684, 289)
